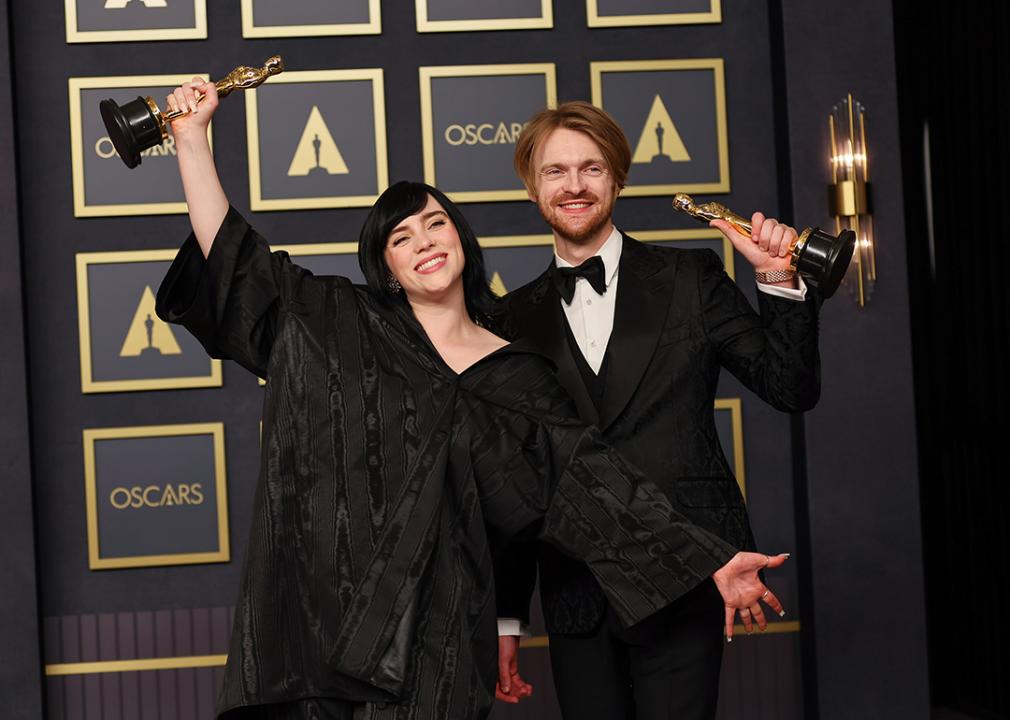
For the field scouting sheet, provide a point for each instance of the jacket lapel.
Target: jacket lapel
(639, 317)
(542, 321)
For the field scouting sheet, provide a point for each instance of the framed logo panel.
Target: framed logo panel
(124, 345)
(103, 185)
(627, 13)
(467, 15)
(305, 18)
(471, 117)
(156, 495)
(130, 20)
(674, 114)
(317, 139)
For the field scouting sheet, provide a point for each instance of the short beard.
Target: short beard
(580, 236)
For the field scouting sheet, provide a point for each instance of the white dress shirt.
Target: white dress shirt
(591, 319)
(590, 315)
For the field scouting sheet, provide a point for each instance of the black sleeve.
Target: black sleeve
(773, 353)
(232, 300)
(515, 577)
(555, 475)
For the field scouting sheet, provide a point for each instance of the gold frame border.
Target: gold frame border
(425, 75)
(74, 87)
(90, 435)
(716, 65)
(595, 20)
(424, 25)
(197, 32)
(332, 248)
(729, 262)
(256, 201)
(89, 385)
(735, 408)
(203, 661)
(251, 30)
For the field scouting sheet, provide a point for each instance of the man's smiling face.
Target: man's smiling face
(575, 190)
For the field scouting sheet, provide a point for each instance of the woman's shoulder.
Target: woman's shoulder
(521, 358)
(519, 377)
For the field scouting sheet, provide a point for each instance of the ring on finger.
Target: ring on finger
(765, 594)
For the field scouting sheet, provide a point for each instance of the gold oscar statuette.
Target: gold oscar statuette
(140, 124)
(818, 256)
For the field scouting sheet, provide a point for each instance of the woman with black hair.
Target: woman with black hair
(402, 441)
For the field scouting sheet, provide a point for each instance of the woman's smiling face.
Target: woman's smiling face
(423, 252)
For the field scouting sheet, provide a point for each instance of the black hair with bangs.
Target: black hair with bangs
(400, 201)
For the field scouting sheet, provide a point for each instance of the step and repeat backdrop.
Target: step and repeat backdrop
(146, 450)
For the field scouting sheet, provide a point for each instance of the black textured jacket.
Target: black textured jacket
(679, 319)
(386, 477)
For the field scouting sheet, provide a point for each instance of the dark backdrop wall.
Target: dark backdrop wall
(868, 614)
(852, 526)
(20, 668)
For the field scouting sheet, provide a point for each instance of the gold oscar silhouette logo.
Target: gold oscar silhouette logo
(498, 285)
(317, 152)
(120, 4)
(659, 140)
(148, 334)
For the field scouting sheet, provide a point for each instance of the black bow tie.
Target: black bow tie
(592, 270)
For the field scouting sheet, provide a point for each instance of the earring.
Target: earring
(393, 285)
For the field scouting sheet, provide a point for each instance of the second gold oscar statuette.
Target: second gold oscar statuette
(817, 255)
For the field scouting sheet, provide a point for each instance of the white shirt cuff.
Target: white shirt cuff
(799, 294)
(511, 626)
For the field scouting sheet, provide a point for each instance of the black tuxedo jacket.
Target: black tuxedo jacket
(679, 318)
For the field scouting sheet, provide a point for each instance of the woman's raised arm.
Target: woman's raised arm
(205, 197)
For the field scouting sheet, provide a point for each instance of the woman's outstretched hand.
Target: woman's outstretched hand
(743, 592)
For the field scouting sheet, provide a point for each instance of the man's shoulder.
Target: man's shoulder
(532, 292)
(683, 258)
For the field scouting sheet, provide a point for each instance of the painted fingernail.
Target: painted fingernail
(782, 614)
(729, 638)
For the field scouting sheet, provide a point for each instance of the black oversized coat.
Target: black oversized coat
(387, 479)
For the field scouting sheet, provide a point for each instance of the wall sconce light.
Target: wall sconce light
(848, 196)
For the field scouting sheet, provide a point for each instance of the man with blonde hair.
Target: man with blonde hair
(639, 334)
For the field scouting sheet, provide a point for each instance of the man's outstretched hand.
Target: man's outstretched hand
(510, 688)
(742, 590)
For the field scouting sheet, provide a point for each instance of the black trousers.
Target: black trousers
(664, 668)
